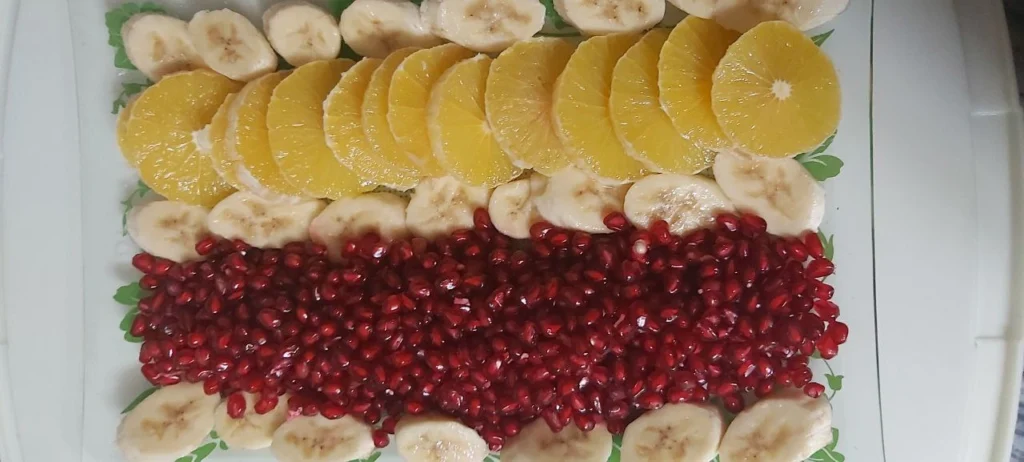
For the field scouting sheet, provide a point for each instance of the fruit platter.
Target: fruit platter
(481, 230)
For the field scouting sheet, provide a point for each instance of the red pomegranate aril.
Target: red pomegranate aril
(814, 245)
(236, 405)
(819, 268)
(616, 221)
(650, 400)
(814, 390)
(838, 331)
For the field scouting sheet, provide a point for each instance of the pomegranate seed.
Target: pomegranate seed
(236, 405)
(380, 438)
(616, 221)
(813, 243)
(814, 390)
(819, 268)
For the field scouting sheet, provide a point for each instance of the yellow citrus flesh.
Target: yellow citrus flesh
(775, 92)
(343, 125)
(162, 131)
(375, 116)
(461, 139)
(122, 130)
(249, 140)
(640, 123)
(518, 102)
(685, 68)
(217, 131)
(295, 120)
(581, 113)
(408, 96)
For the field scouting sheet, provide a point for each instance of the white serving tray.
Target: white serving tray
(922, 213)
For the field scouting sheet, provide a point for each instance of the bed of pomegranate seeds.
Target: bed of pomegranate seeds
(574, 328)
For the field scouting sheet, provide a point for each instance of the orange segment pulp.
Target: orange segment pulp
(775, 92)
(581, 112)
(685, 68)
(460, 136)
(518, 102)
(295, 120)
(408, 96)
(162, 133)
(641, 124)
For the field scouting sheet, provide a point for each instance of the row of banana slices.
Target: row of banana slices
(301, 32)
(786, 426)
(779, 190)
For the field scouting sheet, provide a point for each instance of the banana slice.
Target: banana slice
(301, 32)
(319, 439)
(168, 424)
(782, 427)
(158, 45)
(511, 207)
(686, 202)
(602, 17)
(781, 191)
(537, 443)
(676, 432)
(168, 229)
(484, 25)
(434, 438)
(252, 430)
(231, 45)
(375, 28)
(261, 223)
(381, 213)
(741, 15)
(442, 205)
(572, 199)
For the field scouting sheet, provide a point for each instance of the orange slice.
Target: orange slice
(295, 120)
(408, 96)
(343, 125)
(122, 131)
(217, 133)
(374, 113)
(641, 124)
(162, 132)
(775, 92)
(686, 64)
(582, 116)
(460, 136)
(518, 102)
(248, 140)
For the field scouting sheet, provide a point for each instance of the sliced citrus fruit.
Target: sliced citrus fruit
(685, 67)
(295, 120)
(343, 125)
(408, 96)
(518, 102)
(460, 137)
(248, 141)
(163, 131)
(374, 115)
(581, 112)
(641, 124)
(216, 132)
(122, 130)
(775, 92)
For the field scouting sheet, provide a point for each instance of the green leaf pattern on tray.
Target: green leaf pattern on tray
(129, 295)
(138, 399)
(128, 90)
(141, 189)
(819, 39)
(821, 166)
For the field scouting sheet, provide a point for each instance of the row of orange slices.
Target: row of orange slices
(619, 106)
